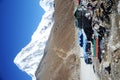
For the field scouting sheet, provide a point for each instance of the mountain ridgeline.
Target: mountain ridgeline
(61, 59)
(57, 51)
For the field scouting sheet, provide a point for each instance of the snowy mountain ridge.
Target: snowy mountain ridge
(30, 56)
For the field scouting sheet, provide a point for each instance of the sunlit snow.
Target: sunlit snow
(30, 56)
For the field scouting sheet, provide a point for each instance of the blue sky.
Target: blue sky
(18, 20)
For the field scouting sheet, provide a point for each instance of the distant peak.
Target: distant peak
(47, 5)
(30, 56)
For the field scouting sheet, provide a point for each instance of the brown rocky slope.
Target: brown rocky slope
(60, 61)
(61, 58)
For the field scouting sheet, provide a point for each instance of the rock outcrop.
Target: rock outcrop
(61, 56)
(60, 61)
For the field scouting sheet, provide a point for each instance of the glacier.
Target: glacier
(30, 56)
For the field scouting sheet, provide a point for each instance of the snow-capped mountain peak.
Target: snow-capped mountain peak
(47, 5)
(30, 56)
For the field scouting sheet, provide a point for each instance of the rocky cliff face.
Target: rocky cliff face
(60, 61)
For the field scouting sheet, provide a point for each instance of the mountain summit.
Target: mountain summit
(30, 56)
(54, 52)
